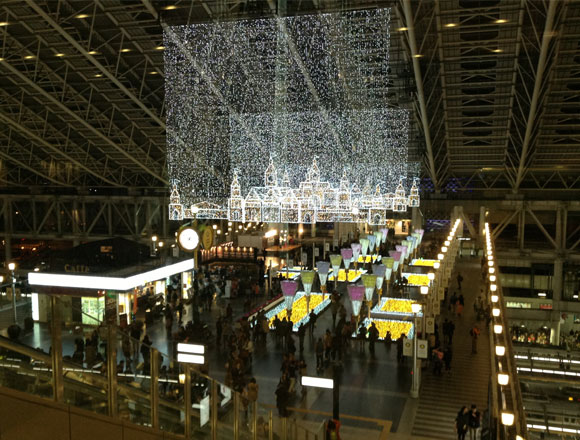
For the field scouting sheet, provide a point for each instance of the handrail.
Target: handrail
(508, 397)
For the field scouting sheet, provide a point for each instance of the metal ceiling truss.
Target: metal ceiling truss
(82, 218)
(494, 87)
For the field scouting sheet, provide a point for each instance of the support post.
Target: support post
(213, 414)
(56, 352)
(13, 281)
(335, 392)
(154, 392)
(112, 369)
(187, 400)
(415, 383)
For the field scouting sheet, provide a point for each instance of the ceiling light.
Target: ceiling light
(417, 55)
(498, 329)
(160, 47)
(59, 55)
(3, 23)
(499, 350)
(497, 50)
(492, 278)
(402, 29)
(424, 290)
(170, 7)
(501, 21)
(503, 379)
(450, 25)
(495, 312)
(493, 287)
(1, 59)
(491, 270)
(82, 16)
(436, 265)
(153, 72)
(542, 294)
(98, 75)
(125, 50)
(494, 298)
(440, 256)
(93, 52)
(507, 418)
(29, 57)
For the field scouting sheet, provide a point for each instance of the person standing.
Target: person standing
(461, 423)
(400, 343)
(301, 335)
(447, 357)
(474, 422)
(373, 337)
(327, 345)
(334, 306)
(362, 335)
(312, 323)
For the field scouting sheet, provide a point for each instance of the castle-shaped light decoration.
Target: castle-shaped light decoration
(313, 201)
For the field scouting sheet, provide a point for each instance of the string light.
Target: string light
(246, 94)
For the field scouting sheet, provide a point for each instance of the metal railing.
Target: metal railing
(161, 393)
(509, 418)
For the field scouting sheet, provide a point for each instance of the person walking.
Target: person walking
(319, 354)
(334, 306)
(462, 422)
(301, 335)
(327, 345)
(400, 343)
(362, 335)
(474, 422)
(474, 332)
(447, 357)
(459, 281)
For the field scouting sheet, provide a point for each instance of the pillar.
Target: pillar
(557, 282)
(416, 219)
(482, 226)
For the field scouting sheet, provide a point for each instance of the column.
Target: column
(482, 226)
(416, 219)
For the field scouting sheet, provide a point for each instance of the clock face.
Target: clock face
(188, 239)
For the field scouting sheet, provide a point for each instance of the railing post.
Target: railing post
(270, 426)
(213, 414)
(187, 400)
(112, 369)
(56, 344)
(236, 415)
(254, 420)
(285, 427)
(154, 392)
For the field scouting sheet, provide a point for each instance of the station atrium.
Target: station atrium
(290, 219)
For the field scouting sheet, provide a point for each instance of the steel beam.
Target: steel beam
(531, 123)
(420, 92)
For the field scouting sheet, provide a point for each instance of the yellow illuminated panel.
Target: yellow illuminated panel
(416, 279)
(395, 327)
(421, 262)
(352, 275)
(299, 308)
(398, 306)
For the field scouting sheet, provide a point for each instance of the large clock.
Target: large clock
(187, 238)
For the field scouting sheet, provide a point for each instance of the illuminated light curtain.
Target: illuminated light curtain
(289, 289)
(323, 269)
(346, 254)
(356, 294)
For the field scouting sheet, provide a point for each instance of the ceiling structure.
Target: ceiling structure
(494, 87)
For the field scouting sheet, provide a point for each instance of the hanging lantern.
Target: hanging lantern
(356, 248)
(397, 257)
(356, 294)
(380, 270)
(379, 238)
(307, 277)
(335, 260)
(289, 289)
(346, 255)
(372, 241)
(369, 283)
(364, 243)
(323, 269)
